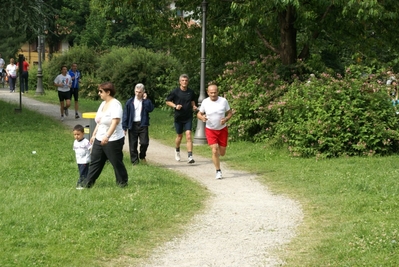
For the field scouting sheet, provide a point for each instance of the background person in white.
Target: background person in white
(2, 70)
(215, 112)
(63, 82)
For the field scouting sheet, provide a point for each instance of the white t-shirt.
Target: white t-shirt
(2, 63)
(82, 151)
(104, 119)
(215, 111)
(66, 82)
(12, 69)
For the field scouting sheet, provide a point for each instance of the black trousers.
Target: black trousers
(24, 81)
(135, 134)
(99, 156)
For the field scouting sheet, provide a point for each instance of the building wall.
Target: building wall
(31, 54)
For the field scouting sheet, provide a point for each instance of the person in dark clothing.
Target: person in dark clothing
(183, 101)
(135, 122)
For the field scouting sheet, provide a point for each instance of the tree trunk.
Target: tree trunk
(288, 32)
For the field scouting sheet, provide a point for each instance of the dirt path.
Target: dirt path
(244, 223)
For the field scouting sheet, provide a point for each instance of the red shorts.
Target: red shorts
(217, 136)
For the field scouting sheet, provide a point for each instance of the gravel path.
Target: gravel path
(244, 224)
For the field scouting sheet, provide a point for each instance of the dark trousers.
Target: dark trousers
(24, 81)
(12, 82)
(135, 134)
(83, 171)
(99, 156)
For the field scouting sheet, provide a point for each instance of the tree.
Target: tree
(25, 15)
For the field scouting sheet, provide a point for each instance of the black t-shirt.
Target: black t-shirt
(184, 98)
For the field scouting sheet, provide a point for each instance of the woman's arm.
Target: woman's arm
(111, 130)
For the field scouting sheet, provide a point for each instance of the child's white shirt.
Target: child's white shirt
(82, 151)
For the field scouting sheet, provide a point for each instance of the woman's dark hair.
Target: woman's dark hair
(108, 86)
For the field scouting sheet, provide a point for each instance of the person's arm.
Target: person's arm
(227, 117)
(147, 104)
(170, 102)
(56, 82)
(193, 104)
(125, 116)
(202, 116)
(111, 130)
(93, 135)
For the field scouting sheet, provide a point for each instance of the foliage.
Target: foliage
(47, 78)
(71, 20)
(329, 117)
(126, 67)
(25, 15)
(86, 58)
(10, 44)
(251, 88)
(323, 117)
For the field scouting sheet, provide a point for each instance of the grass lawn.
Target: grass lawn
(350, 204)
(45, 221)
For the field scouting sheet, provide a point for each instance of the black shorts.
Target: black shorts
(75, 93)
(181, 126)
(64, 96)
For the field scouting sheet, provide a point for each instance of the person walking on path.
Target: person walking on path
(76, 76)
(25, 75)
(108, 138)
(63, 81)
(3, 72)
(135, 122)
(82, 147)
(11, 70)
(215, 112)
(183, 101)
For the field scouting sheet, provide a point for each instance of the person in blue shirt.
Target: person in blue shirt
(76, 76)
(135, 122)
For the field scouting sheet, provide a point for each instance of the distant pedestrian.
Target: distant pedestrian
(25, 75)
(64, 81)
(76, 76)
(82, 148)
(3, 73)
(2, 62)
(135, 122)
(183, 101)
(12, 74)
(108, 138)
(215, 112)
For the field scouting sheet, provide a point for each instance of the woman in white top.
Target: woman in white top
(11, 70)
(108, 138)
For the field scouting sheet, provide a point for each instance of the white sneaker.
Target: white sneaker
(62, 118)
(219, 175)
(190, 159)
(177, 155)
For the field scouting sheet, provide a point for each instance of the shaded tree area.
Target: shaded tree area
(326, 34)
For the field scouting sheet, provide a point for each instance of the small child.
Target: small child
(82, 148)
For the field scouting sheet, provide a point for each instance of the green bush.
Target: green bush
(127, 66)
(329, 117)
(47, 79)
(251, 88)
(85, 57)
